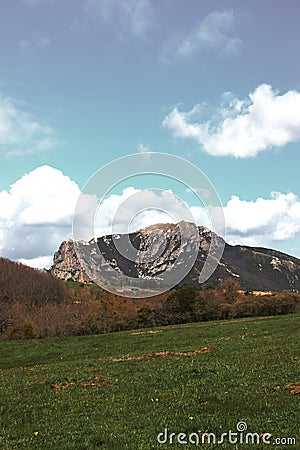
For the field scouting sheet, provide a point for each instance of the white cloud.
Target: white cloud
(108, 208)
(213, 33)
(134, 16)
(135, 199)
(135, 209)
(36, 215)
(20, 132)
(263, 221)
(242, 128)
(43, 262)
(143, 148)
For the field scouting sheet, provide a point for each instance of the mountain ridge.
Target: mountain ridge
(255, 268)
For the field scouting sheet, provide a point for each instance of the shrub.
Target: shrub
(25, 331)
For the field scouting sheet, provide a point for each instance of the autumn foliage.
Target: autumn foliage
(35, 304)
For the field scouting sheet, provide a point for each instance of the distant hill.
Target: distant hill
(255, 268)
(21, 283)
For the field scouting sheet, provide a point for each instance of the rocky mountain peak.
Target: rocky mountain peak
(255, 268)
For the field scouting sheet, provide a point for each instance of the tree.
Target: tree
(180, 305)
(229, 290)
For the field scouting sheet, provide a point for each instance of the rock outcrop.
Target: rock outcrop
(66, 264)
(255, 268)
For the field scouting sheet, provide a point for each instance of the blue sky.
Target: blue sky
(83, 82)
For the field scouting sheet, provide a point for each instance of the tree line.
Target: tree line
(189, 304)
(35, 304)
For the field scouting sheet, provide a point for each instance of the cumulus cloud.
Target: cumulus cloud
(134, 16)
(135, 209)
(20, 132)
(263, 221)
(260, 222)
(214, 33)
(36, 214)
(241, 128)
(43, 262)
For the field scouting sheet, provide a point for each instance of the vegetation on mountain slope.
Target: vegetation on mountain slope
(35, 304)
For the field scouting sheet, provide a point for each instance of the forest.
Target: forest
(35, 304)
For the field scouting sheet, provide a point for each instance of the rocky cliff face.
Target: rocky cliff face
(253, 267)
(66, 264)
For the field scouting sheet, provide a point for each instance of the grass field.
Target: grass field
(76, 393)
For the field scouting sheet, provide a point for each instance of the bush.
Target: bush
(180, 305)
(25, 331)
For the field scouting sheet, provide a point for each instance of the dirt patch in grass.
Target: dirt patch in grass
(146, 332)
(294, 388)
(97, 381)
(93, 381)
(160, 355)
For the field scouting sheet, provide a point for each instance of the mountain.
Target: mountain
(255, 268)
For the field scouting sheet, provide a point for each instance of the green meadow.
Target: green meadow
(120, 390)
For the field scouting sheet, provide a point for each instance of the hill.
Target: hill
(36, 304)
(121, 390)
(255, 268)
(21, 283)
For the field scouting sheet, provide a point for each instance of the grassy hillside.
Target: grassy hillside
(118, 391)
